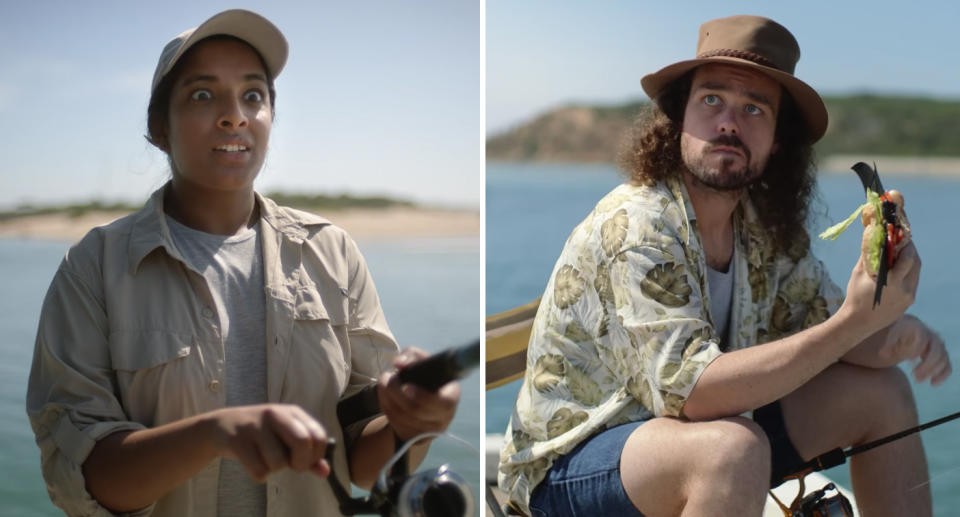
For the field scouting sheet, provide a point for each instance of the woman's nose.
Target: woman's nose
(232, 116)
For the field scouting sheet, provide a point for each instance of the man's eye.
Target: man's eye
(752, 109)
(201, 95)
(711, 100)
(253, 96)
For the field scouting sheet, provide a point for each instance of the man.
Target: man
(689, 297)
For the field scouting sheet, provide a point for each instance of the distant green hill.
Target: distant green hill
(859, 124)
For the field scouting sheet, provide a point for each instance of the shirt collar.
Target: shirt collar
(150, 230)
(754, 240)
(679, 191)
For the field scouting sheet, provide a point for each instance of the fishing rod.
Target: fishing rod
(839, 456)
(429, 373)
(816, 504)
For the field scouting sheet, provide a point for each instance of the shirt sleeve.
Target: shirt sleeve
(660, 305)
(372, 345)
(71, 401)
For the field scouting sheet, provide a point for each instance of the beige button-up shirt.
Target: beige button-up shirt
(625, 329)
(129, 339)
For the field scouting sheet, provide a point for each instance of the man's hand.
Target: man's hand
(271, 437)
(412, 410)
(902, 278)
(909, 338)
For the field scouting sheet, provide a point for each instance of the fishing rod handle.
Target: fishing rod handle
(440, 368)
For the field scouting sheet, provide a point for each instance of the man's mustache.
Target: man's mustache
(728, 140)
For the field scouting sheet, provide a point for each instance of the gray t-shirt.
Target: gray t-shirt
(233, 268)
(721, 298)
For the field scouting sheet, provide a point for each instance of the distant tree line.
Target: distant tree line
(908, 126)
(310, 202)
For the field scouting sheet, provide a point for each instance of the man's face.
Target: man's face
(220, 116)
(729, 125)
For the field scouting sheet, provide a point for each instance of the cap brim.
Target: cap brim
(248, 26)
(808, 101)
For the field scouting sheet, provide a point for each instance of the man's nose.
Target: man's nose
(727, 123)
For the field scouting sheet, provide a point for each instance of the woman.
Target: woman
(190, 356)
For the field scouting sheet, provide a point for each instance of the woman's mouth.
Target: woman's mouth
(231, 148)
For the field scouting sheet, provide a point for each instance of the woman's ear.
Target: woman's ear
(158, 139)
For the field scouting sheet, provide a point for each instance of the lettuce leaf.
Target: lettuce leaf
(836, 230)
(876, 240)
(876, 245)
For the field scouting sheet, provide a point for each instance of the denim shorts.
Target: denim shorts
(586, 481)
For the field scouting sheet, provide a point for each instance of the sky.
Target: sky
(377, 97)
(541, 54)
(395, 97)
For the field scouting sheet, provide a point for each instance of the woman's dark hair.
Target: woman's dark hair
(158, 111)
(781, 196)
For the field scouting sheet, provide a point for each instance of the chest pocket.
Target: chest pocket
(320, 347)
(157, 372)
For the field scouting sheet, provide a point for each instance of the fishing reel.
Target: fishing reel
(817, 504)
(397, 493)
(438, 492)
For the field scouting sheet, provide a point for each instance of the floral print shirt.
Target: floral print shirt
(624, 328)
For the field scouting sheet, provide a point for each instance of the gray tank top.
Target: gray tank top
(233, 268)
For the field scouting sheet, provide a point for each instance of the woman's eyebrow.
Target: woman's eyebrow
(212, 78)
(198, 78)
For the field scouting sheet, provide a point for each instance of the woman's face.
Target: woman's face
(220, 116)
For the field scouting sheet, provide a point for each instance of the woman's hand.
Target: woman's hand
(271, 437)
(412, 410)
(909, 338)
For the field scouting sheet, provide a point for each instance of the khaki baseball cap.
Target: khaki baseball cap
(248, 26)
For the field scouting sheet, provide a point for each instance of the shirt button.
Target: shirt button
(207, 312)
(215, 386)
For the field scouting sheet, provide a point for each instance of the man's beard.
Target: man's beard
(722, 177)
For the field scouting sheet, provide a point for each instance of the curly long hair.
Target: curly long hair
(781, 196)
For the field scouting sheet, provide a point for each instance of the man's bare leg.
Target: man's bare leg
(671, 467)
(851, 405)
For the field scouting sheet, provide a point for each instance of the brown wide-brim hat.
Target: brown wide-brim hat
(754, 42)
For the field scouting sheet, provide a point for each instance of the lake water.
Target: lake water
(429, 289)
(531, 209)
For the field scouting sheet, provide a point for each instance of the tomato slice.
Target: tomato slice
(891, 243)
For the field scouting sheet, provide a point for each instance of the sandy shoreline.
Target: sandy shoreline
(360, 223)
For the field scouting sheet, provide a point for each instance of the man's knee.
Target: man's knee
(667, 463)
(725, 440)
(736, 443)
(891, 394)
(706, 448)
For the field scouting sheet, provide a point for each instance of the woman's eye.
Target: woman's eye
(711, 100)
(752, 109)
(201, 95)
(253, 96)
